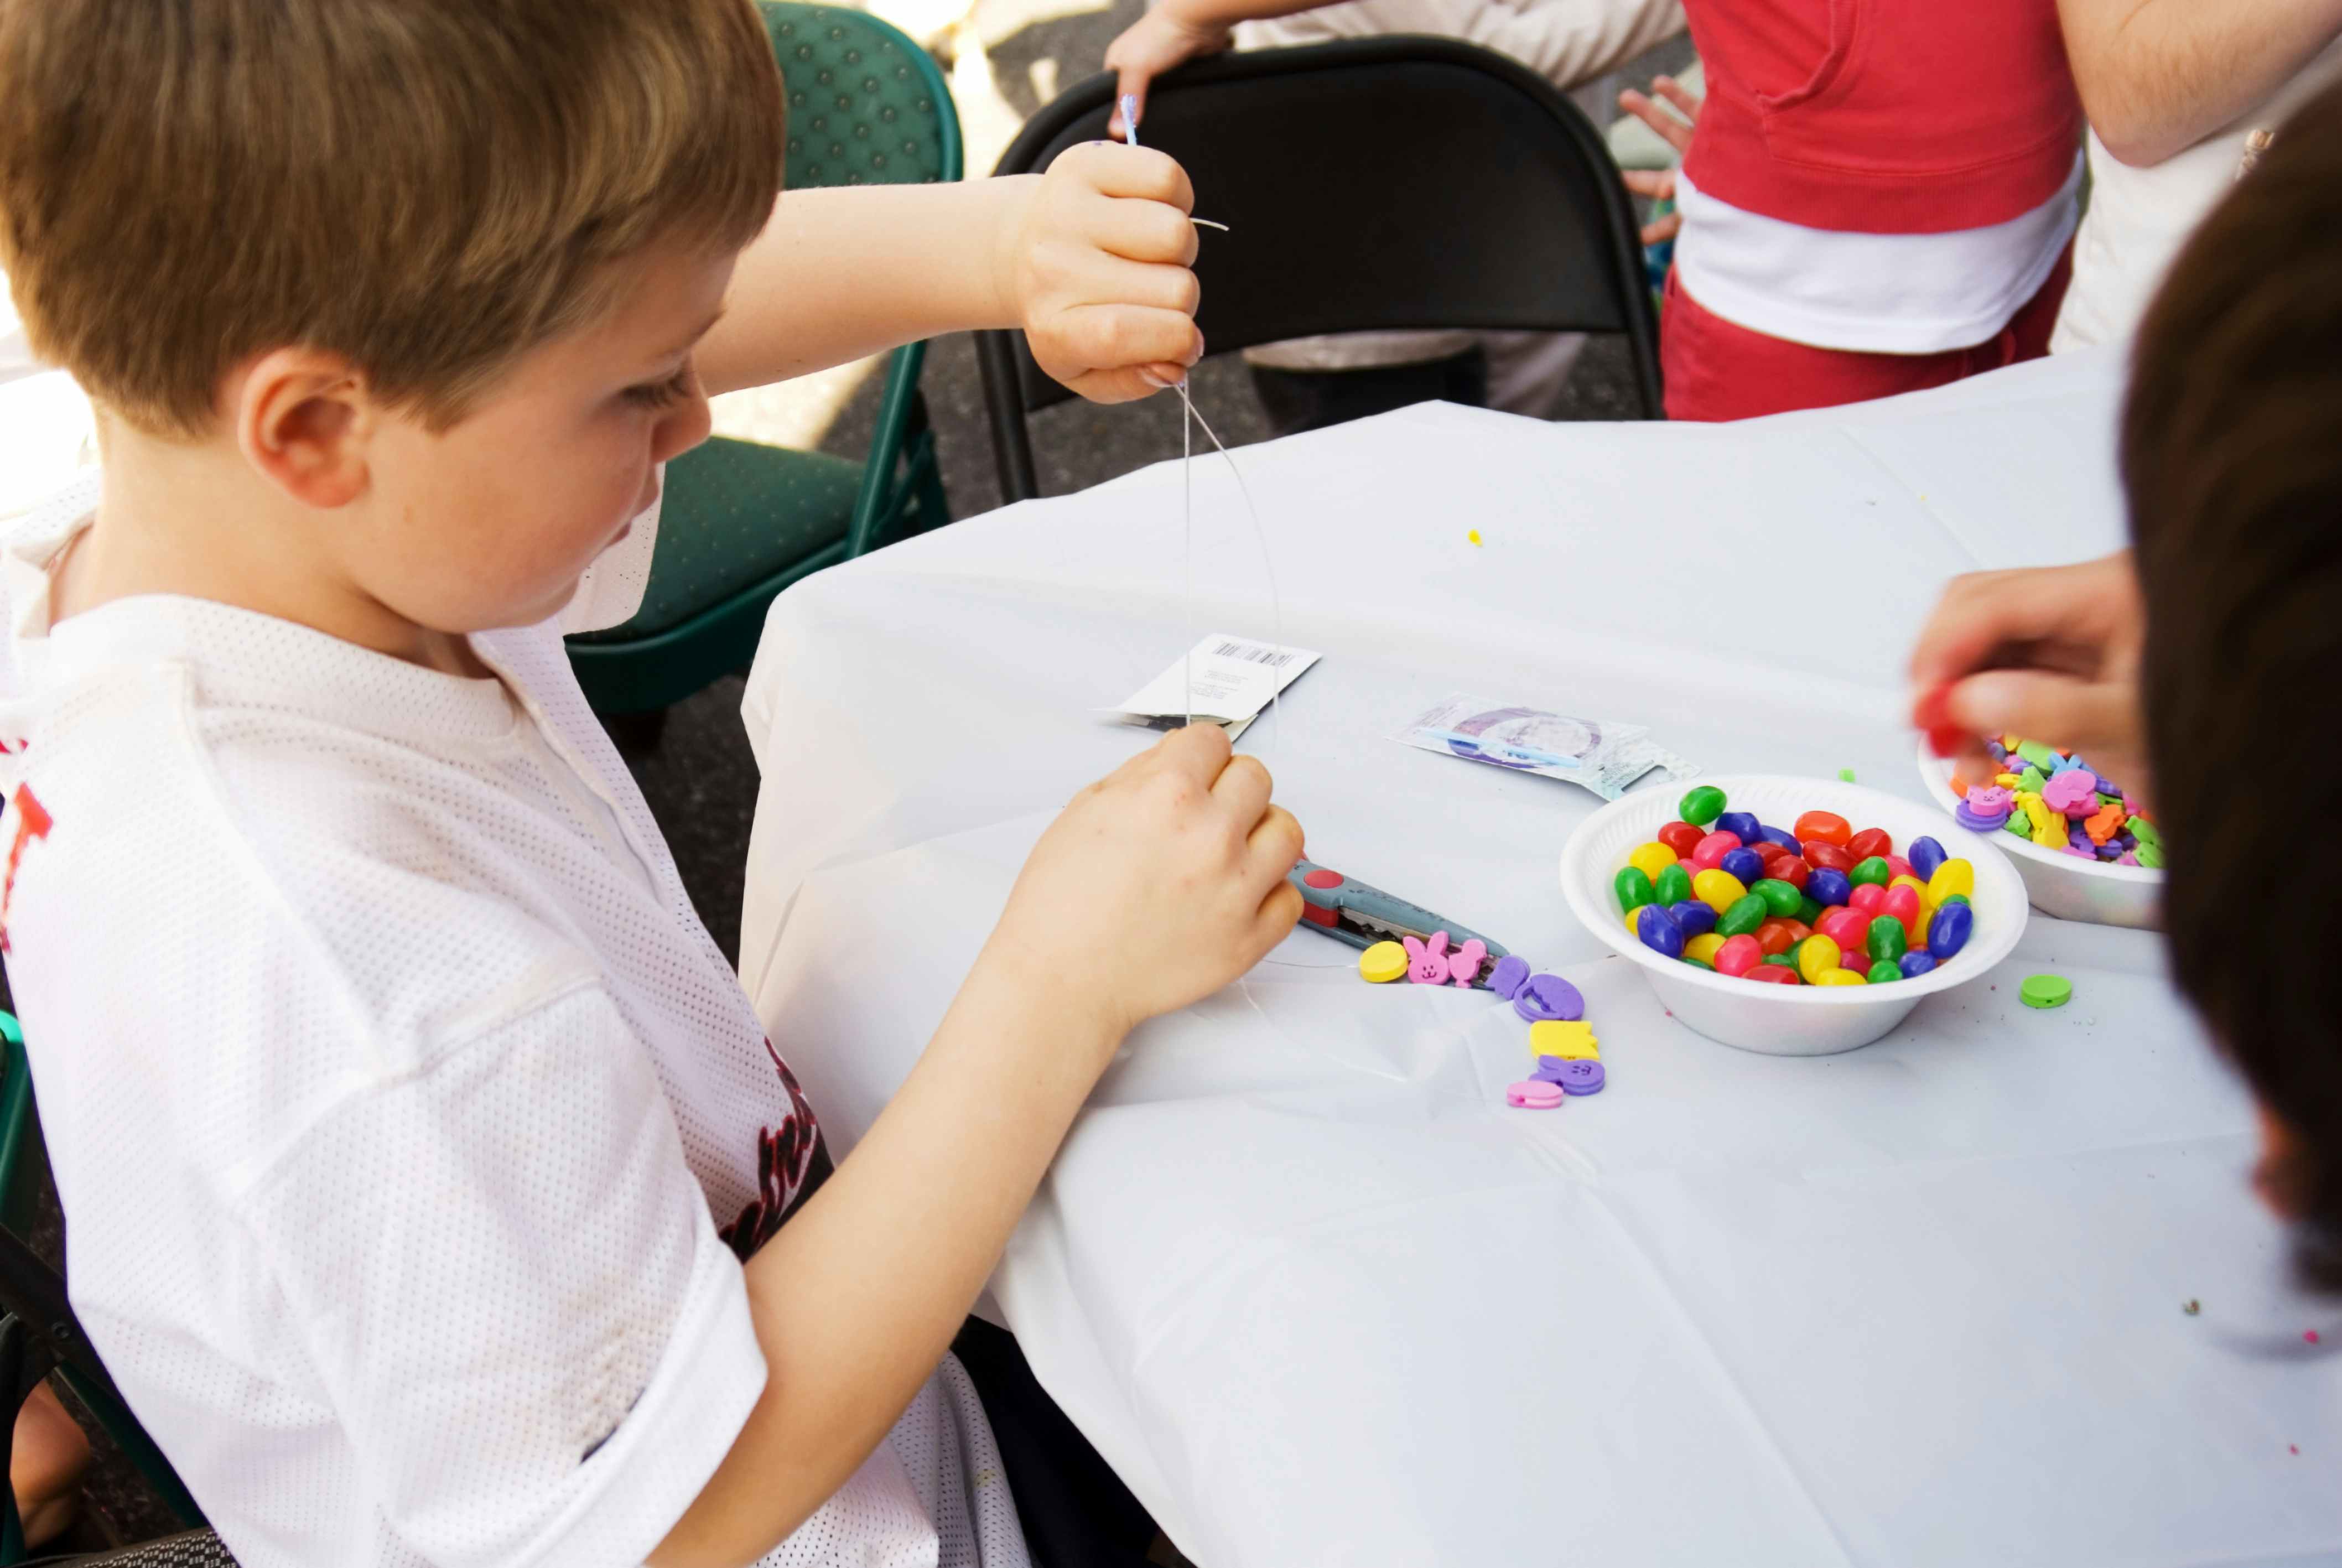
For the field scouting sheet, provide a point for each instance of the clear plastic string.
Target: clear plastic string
(1260, 541)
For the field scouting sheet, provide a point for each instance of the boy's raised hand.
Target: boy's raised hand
(1157, 885)
(1098, 269)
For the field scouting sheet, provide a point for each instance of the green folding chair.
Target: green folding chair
(742, 521)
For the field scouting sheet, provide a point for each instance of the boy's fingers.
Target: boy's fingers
(2086, 716)
(1115, 337)
(1126, 171)
(1242, 791)
(1200, 751)
(1280, 912)
(2091, 603)
(1153, 233)
(1273, 845)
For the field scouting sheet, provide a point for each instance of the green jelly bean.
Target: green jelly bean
(2032, 779)
(2145, 832)
(1882, 972)
(1696, 963)
(1633, 888)
(1888, 941)
(1874, 871)
(1783, 959)
(1958, 898)
(1779, 896)
(2150, 855)
(1810, 910)
(1746, 913)
(1674, 885)
(1702, 806)
(2039, 756)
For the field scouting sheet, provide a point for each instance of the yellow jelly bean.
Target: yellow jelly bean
(1913, 883)
(1703, 948)
(1570, 1041)
(1384, 961)
(1818, 956)
(1842, 977)
(1954, 876)
(1718, 889)
(1652, 859)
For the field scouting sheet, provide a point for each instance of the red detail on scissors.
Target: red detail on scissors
(31, 822)
(1321, 877)
(1317, 916)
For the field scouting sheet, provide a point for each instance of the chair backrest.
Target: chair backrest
(867, 105)
(1372, 184)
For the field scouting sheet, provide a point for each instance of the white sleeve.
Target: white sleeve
(514, 1297)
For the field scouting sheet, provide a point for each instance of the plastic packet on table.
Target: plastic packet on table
(1604, 757)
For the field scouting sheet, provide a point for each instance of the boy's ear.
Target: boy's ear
(302, 417)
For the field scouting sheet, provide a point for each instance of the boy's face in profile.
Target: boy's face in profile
(490, 522)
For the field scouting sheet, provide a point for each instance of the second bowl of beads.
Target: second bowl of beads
(2058, 881)
(1832, 994)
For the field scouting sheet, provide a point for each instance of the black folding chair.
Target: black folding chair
(1368, 184)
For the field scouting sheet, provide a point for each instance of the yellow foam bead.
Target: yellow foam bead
(1703, 948)
(1842, 976)
(1717, 888)
(1818, 956)
(2007, 781)
(1954, 876)
(1570, 1041)
(1652, 859)
(1383, 963)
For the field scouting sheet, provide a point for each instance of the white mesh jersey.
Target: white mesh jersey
(401, 1107)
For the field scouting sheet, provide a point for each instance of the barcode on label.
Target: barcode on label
(1253, 651)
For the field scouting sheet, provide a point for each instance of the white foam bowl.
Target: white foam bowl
(2062, 884)
(1788, 1019)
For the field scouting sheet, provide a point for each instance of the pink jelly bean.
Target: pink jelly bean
(1897, 866)
(1709, 851)
(1866, 898)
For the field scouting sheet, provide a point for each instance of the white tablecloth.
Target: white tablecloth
(1302, 1277)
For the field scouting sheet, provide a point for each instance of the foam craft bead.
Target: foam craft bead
(2046, 991)
(1383, 963)
(1570, 1041)
(1533, 1094)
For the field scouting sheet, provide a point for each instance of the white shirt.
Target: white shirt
(2138, 218)
(398, 1101)
(1873, 294)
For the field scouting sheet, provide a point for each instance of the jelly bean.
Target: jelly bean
(1888, 941)
(1739, 955)
(1847, 927)
(1693, 917)
(1816, 955)
(1702, 949)
(1828, 887)
(1800, 929)
(1954, 876)
(1711, 850)
(1913, 883)
(1766, 849)
(1785, 960)
(1651, 859)
(1633, 888)
(1701, 805)
(1873, 870)
(1870, 840)
(1823, 857)
(1780, 898)
(1840, 977)
(1773, 937)
(1679, 836)
(1826, 825)
(1811, 910)
(1792, 870)
(1745, 863)
(1660, 932)
(1771, 975)
(1741, 824)
(1897, 866)
(1866, 897)
(1787, 841)
(1949, 930)
(1956, 898)
(1882, 972)
(1927, 854)
(1747, 914)
(1719, 890)
(1903, 905)
(1672, 885)
(1915, 964)
(1855, 959)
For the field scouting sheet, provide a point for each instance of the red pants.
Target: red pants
(1716, 370)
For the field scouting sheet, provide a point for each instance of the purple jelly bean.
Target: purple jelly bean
(1786, 840)
(1693, 918)
(1926, 854)
(1582, 1077)
(1745, 863)
(1827, 887)
(1511, 973)
(1741, 824)
(1949, 930)
(1915, 964)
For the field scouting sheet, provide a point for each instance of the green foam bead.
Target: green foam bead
(2031, 780)
(2018, 824)
(2039, 756)
(2150, 855)
(2145, 832)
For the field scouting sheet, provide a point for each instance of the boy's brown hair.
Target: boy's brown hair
(2232, 456)
(427, 187)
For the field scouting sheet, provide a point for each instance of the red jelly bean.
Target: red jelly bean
(1823, 855)
(1768, 850)
(1739, 955)
(1791, 870)
(1710, 851)
(1855, 959)
(1773, 974)
(1897, 866)
(1826, 825)
(1870, 840)
(1681, 837)
(1798, 930)
(1903, 903)
(1846, 926)
(1773, 937)
(1866, 898)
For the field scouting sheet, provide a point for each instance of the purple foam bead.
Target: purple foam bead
(2108, 851)
(2000, 752)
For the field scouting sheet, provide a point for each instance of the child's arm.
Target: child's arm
(2157, 77)
(1154, 887)
(1091, 259)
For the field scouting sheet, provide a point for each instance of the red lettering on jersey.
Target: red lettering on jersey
(31, 822)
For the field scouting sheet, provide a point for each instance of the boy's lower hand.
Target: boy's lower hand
(1156, 886)
(1097, 270)
(2048, 653)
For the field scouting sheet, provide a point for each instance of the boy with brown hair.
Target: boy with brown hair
(427, 1169)
(2208, 650)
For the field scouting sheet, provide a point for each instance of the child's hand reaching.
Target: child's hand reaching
(1660, 185)
(1098, 272)
(1156, 43)
(1157, 885)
